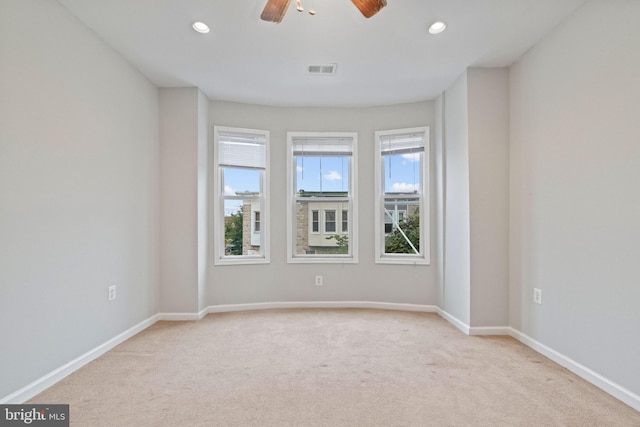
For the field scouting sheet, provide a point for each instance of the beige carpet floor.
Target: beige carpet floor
(328, 367)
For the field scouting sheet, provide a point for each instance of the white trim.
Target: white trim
(183, 316)
(47, 380)
(240, 260)
(580, 370)
(453, 320)
(474, 330)
(489, 330)
(624, 395)
(225, 308)
(320, 259)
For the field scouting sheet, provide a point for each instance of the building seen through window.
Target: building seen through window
(323, 197)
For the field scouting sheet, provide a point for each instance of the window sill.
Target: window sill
(386, 259)
(241, 261)
(322, 260)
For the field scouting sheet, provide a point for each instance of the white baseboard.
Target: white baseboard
(489, 330)
(183, 316)
(582, 371)
(39, 385)
(453, 320)
(474, 330)
(46, 381)
(224, 308)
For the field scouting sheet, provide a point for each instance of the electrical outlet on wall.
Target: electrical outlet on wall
(112, 292)
(318, 280)
(537, 295)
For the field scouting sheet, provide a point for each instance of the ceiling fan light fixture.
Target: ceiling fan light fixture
(201, 27)
(437, 27)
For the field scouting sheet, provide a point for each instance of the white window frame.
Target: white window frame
(351, 258)
(218, 204)
(423, 258)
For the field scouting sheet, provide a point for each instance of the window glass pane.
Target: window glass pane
(233, 219)
(315, 221)
(241, 181)
(401, 226)
(345, 221)
(401, 173)
(324, 176)
(321, 240)
(242, 227)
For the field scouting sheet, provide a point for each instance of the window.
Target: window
(241, 211)
(329, 222)
(322, 198)
(402, 193)
(256, 222)
(393, 217)
(345, 222)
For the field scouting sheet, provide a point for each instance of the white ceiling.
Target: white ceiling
(390, 58)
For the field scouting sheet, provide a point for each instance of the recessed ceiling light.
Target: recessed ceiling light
(201, 27)
(437, 27)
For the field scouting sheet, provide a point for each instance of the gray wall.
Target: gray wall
(179, 272)
(184, 200)
(79, 180)
(440, 167)
(488, 104)
(472, 158)
(78, 191)
(457, 246)
(575, 201)
(204, 179)
(365, 281)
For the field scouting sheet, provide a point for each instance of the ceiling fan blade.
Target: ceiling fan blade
(369, 7)
(274, 10)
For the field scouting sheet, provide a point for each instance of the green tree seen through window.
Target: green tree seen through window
(395, 242)
(233, 234)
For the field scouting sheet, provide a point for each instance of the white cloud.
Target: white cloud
(332, 176)
(412, 157)
(403, 187)
(228, 191)
(299, 168)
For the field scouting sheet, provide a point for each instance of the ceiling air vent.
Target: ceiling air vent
(322, 69)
